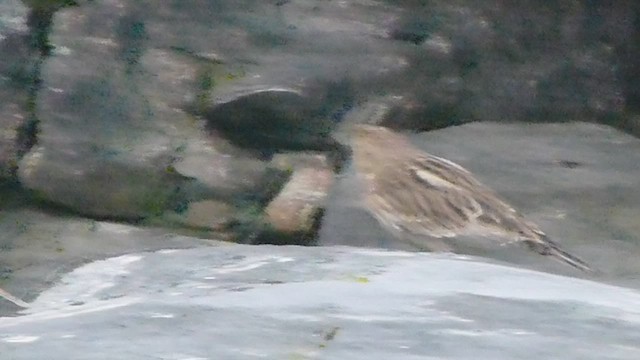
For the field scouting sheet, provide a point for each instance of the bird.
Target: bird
(6, 295)
(425, 199)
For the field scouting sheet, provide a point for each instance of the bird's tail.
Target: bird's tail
(550, 248)
(13, 299)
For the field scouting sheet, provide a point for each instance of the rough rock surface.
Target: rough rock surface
(575, 180)
(12, 117)
(14, 80)
(126, 80)
(37, 248)
(132, 90)
(242, 302)
(208, 214)
(500, 60)
(148, 108)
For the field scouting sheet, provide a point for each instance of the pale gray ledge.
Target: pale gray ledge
(243, 302)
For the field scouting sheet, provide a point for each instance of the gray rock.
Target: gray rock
(242, 302)
(219, 165)
(13, 17)
(208, 214)
(12, 118)
(37, 248)
(15, 79)
(131, 89)
(126, 81)
(487, 61)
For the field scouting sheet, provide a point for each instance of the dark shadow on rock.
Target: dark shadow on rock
(628, 54)
(132, 38)
(276, 120)
(270, 122)
(266, 121)
(416, 29)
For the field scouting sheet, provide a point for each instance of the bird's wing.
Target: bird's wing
(431, 196)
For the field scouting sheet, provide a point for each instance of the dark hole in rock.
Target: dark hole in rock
(570, 164)
(277, 120)
(416, 28)
(408, 36)
(269, 121)
(282, 2)
(629, 69)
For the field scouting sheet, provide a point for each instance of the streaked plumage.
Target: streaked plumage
(13, 299)
(423, 198)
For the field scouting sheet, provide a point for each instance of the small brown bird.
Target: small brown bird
(13, 299)
(423, 198)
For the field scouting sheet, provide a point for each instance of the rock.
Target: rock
(500, 61)
(14, 16)
(123, 91)
(343, 303)
(577, 181)
(12, 118)
(297, 209)
(220, 166)
(584, 85)
(627, 53)
(38, 248)
(107, 142)
(16, 60)
(103, 189)
(209, 214)
(129, 86)
(103, 149)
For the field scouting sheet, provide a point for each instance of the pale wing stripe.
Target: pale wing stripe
(451, 175)
(449, 163)
(431, 178)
